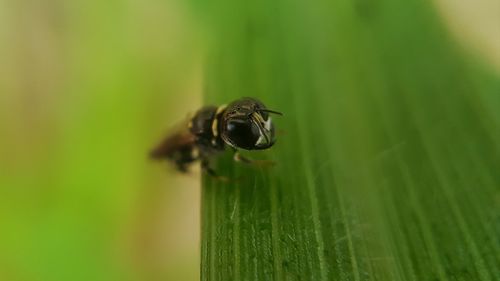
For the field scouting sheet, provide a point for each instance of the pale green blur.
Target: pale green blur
(86, 89)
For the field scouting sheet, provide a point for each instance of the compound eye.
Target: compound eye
(242, 134)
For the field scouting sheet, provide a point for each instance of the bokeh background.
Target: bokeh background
(86, 89)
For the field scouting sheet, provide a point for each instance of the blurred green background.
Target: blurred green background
(86, 88)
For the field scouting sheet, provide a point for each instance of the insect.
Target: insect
(243, 124)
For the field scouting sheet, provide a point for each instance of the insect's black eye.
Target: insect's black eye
(242, 133)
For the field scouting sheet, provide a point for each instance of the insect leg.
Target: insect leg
(205, 166)
(240, 158)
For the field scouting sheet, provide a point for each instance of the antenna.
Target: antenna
(271, 111)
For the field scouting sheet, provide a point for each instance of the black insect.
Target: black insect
(243, 124)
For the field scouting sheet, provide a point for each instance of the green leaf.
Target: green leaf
(388, 161)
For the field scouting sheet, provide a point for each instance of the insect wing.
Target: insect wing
(175, 141)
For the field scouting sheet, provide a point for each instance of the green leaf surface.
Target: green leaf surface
(388, 158)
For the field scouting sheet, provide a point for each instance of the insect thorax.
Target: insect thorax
(205, 126)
